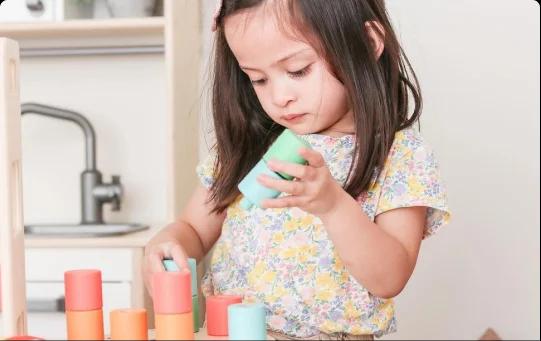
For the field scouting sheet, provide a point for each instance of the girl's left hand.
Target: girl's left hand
(313, 190)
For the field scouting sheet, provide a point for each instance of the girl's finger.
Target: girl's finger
(155, 261)
(155, 265)
(290, 187)
(179, 257)
(287, 201)
(314, 158)
(293, 169)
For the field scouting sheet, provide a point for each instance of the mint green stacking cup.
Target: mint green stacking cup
(195, 298)
(285, 148)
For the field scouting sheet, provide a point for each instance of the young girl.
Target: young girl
(326, 256)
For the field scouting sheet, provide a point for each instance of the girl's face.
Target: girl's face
(293, 84)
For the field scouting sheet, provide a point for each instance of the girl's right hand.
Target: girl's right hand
(155, 254)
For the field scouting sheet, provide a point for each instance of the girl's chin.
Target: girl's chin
(300, 130)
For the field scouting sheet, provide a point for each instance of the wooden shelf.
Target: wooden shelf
(83, 28)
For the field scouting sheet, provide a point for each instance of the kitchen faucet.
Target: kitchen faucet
(94, 192)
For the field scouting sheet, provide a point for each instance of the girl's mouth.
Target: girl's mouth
(293, 118)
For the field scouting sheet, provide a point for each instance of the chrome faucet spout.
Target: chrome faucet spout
(94, 193)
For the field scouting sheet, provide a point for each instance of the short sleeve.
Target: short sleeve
(205, 170)
(413, 179)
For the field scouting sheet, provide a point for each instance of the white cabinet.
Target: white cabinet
(49, 264)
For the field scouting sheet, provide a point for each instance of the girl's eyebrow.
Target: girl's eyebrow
(281, 60)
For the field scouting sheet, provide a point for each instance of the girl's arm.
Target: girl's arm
(192, 235)
(381, 255)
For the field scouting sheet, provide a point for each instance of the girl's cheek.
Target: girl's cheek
(263, 100)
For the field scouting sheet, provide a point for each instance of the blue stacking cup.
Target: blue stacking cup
(246, 321)
(254, 192)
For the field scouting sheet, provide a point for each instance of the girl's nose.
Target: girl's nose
(281, 95)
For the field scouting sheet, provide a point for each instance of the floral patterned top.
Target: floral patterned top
(285, 259)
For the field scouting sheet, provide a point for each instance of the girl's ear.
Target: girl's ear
(377, 35)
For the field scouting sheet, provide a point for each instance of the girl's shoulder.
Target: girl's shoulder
(410, 152)
(411, 177)
(206, 169)
(406, 142)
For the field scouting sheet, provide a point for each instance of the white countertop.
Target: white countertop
(135, 239)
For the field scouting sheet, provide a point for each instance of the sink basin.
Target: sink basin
(90, 230)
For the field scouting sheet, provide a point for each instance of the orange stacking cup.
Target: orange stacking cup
(217, 313)
(174, 326)
(129, 324)
(172, 292)
(172, 295)
(85, 325)
(84, 315)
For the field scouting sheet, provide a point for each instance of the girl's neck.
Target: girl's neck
(334, 133)
(338, 130)
(345, 125)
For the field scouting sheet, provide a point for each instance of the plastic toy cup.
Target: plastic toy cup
(247, 321)
(285, 148)
(129, 324)
(254, 192)
(217, 321)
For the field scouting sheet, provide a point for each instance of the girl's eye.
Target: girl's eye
(293, 74)
(258, 81)
(300, 73)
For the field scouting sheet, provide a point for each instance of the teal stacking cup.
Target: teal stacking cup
(193, 269)
(170, 265)
(286, 148)
(246, 321)
(255, 192)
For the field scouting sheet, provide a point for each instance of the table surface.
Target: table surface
(201, 335)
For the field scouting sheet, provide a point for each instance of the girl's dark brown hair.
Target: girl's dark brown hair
(377, 89)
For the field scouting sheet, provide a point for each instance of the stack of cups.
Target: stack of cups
(216, 307)
(172, 295)
(170, 265)
(129, 324)
(246, 321)
(285, 148)
(84, 314)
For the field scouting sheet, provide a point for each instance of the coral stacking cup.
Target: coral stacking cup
(217, 313)
(84, 314)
